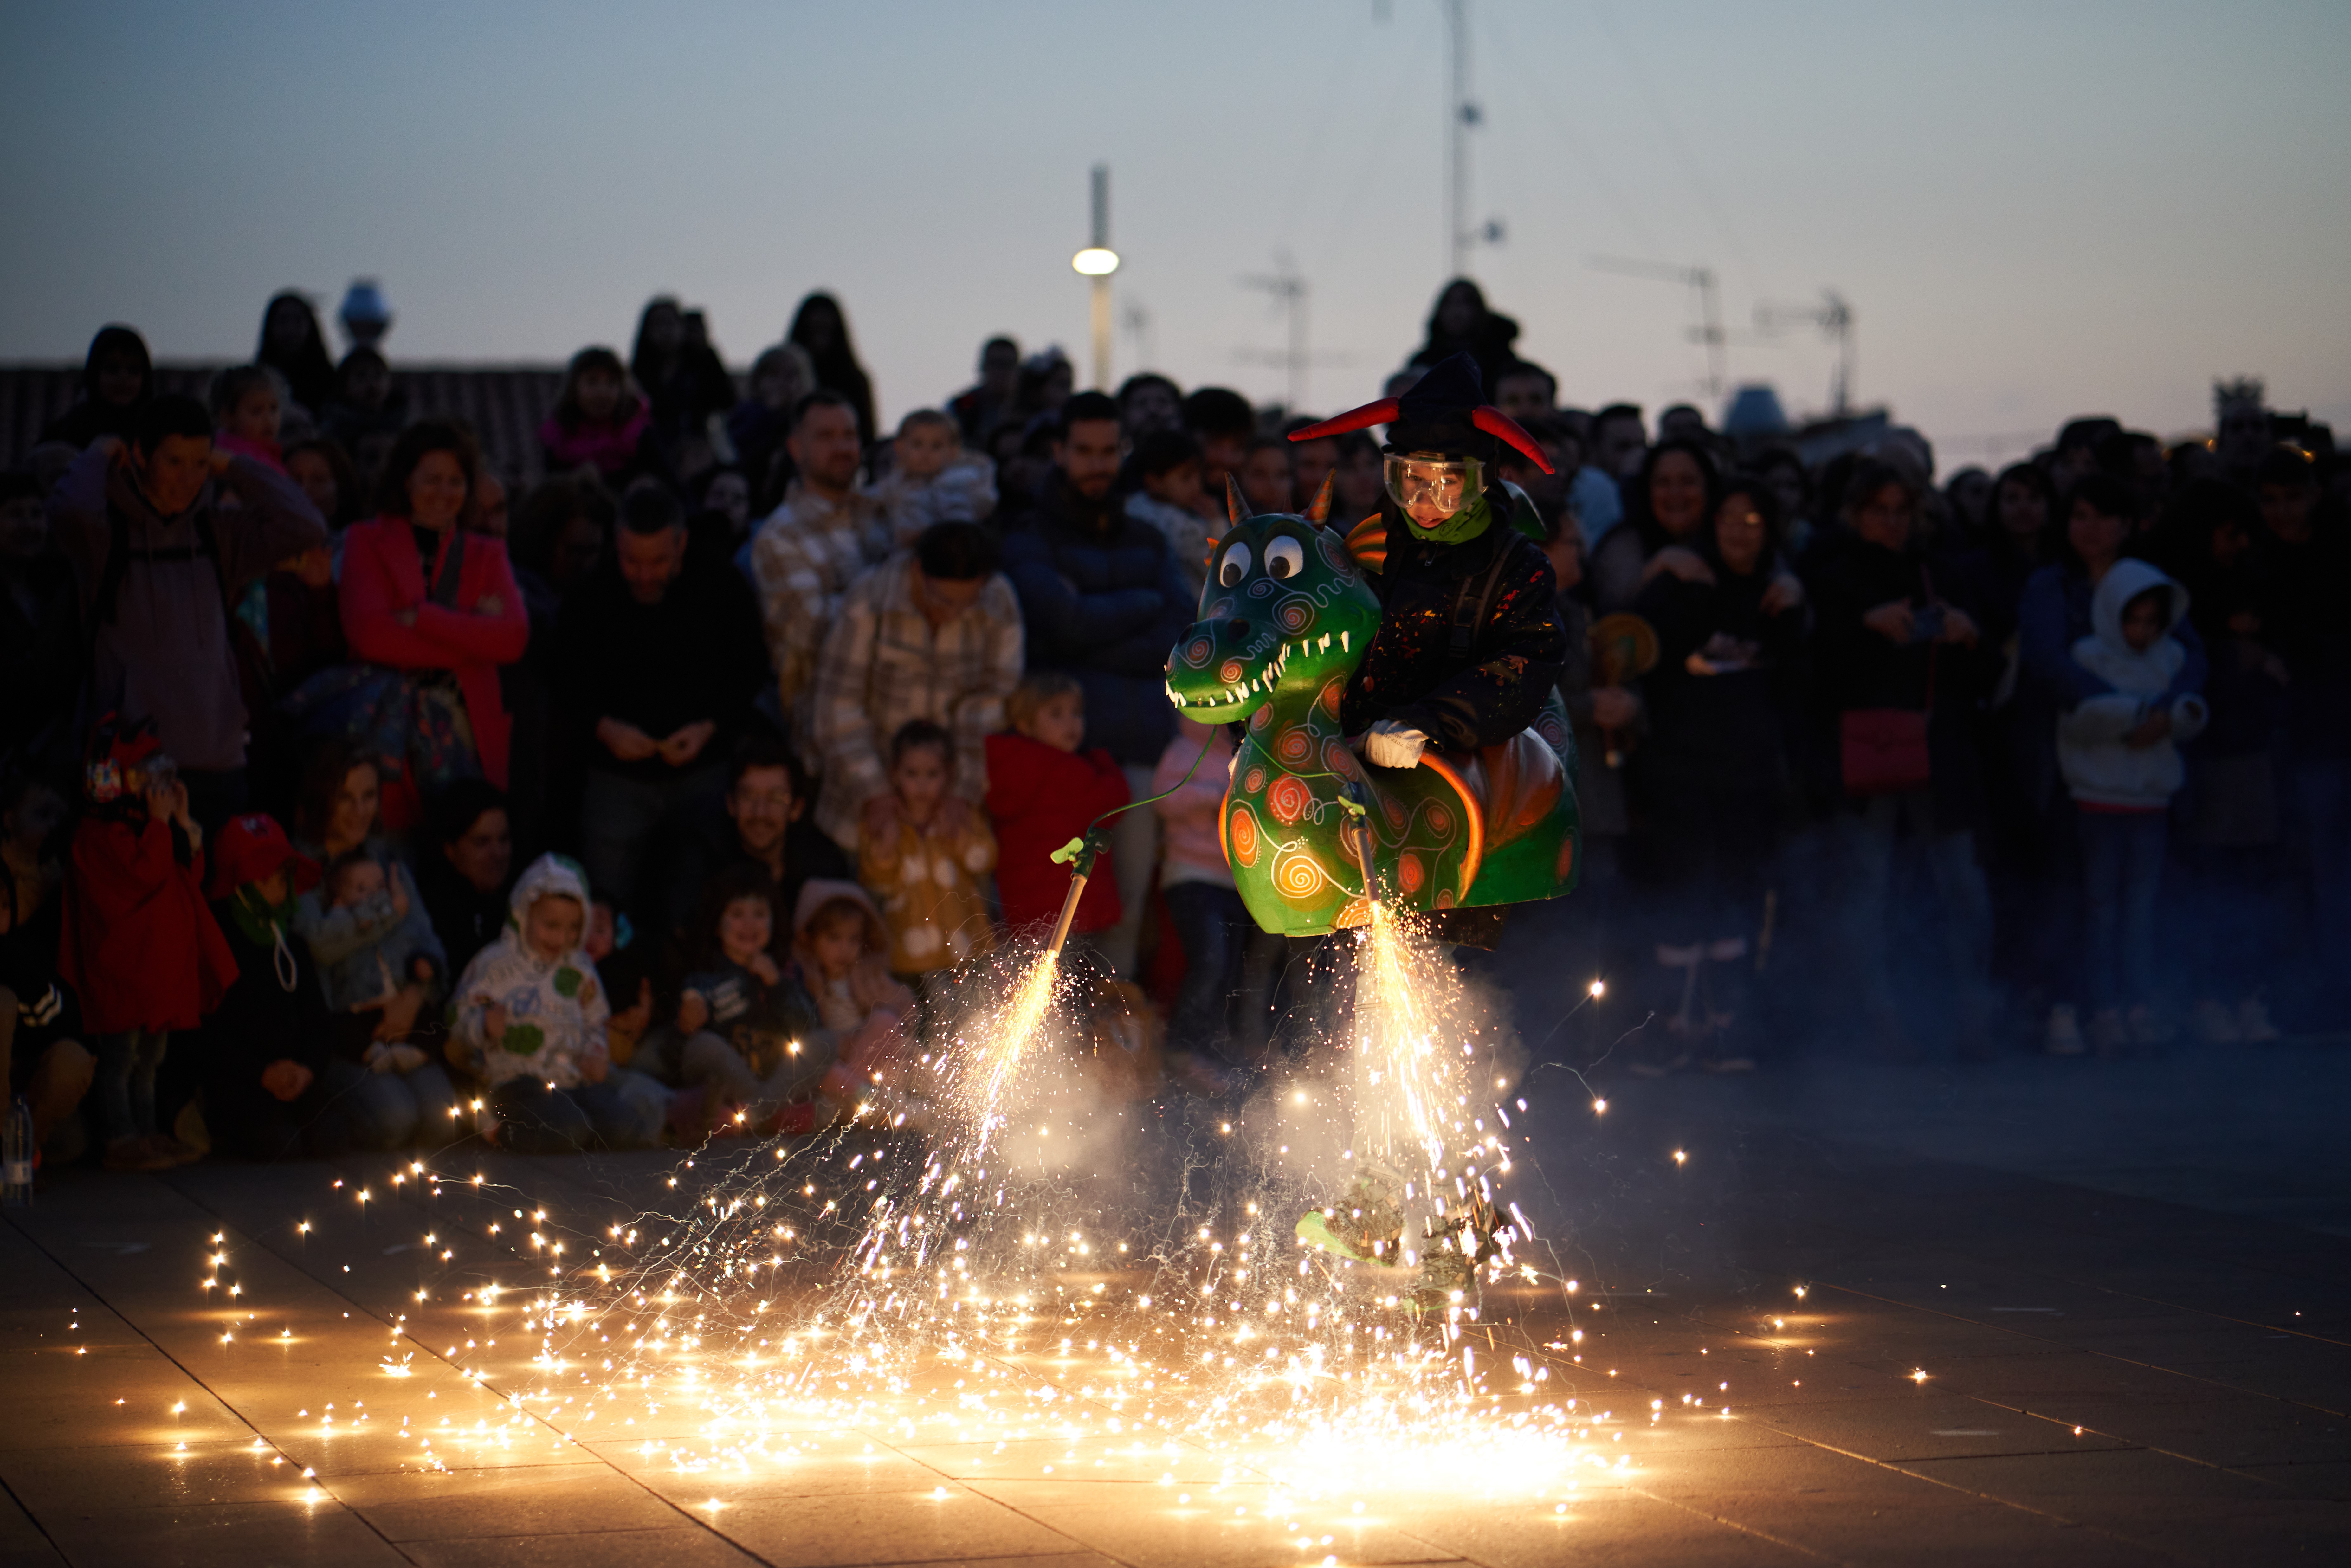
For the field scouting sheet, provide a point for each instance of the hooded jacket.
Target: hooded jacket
(164, 650)
(2100, 770)
(556, 1011)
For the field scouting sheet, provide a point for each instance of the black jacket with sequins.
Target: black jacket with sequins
(1516, 649)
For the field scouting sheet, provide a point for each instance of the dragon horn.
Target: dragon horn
(1381, 412)
(1319, 512)
(1235, 508)
(1494, 421)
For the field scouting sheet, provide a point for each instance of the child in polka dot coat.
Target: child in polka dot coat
(923, 851)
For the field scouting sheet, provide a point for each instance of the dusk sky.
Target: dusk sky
(2036, 210)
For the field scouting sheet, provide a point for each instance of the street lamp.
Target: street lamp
(1097, 262)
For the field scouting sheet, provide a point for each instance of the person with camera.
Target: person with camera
(1902, 664)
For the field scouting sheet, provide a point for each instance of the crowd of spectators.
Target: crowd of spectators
(347, 805)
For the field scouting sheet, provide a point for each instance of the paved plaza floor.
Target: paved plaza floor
(2076, 1313)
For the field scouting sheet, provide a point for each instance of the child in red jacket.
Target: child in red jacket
(139, 947)
(1042, 792)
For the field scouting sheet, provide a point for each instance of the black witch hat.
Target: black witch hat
(1445, 411)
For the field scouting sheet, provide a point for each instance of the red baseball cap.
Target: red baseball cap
(253, 846)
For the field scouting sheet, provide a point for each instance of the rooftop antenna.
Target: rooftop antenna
(1289, 292)
(1463, 114)
(1834, 316)
(1699, 278)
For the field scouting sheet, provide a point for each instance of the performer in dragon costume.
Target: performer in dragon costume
(1431, 632)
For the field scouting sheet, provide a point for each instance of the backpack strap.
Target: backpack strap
(109, 596)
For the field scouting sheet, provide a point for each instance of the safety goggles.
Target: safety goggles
(1431, 487)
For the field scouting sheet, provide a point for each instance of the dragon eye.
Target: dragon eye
(1235, 566)
(1284, 557)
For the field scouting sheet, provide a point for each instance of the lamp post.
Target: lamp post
(1097, 262)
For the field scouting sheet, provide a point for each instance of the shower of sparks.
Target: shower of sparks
(1044, 1266)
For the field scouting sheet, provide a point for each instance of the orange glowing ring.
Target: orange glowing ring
(1288, 798)
(1242, 836)
(1294, 746)
(1331, 695)
(1229, 672)
(1295, 616)
(1475, 854)
(1298, 875)
(1195, 652)
(1409, 874)
(1254, 781)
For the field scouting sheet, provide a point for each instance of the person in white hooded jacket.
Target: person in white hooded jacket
(2120, 755)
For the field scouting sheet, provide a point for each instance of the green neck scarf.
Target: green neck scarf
(260, 921)
(1465, 524)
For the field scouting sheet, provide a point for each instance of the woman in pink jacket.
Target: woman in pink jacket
(432, 608)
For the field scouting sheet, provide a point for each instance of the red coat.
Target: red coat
(383, 575)
(1041, 798)
(139, 947)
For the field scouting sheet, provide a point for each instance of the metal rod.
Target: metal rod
(1069, 913)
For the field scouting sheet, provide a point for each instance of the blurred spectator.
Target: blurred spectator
(980, 409)
(684, 383)
(819, 329)
(720, 522)
(1620, 440)
(1601, 710)
(923, 849)
(140, 948)
(933, 634)
(766, 798)
(1310, 463)
(601, 421)
(1149, 401)
(1206, 909)
(380, 968)
(1672, 496)
(1968, 493)
(1461, 322)
(2305, 566)
(157, 556)
(366, 414)
(840, 946)
(803, 558)
(781, 378)
(292, 345)
(42, 1053)
(465, 868)
(744, 1036)
(1710, 769)
(530, 1019)
(1172, 499)
(1047, 380)
(933, 479)
(2120, 755)
(656, 664)
(1224, 424)
(1042, 792)
(433, 609)
(1104, 601)
(117, 377)
(1358, 485)
(2240, 424)
(248, 404)
(40, 629)
(1681, 421)
(324, 471)
(1525, 391)
(1902, 663)
(1266, 475)
(1791, 491)
(262, 1056)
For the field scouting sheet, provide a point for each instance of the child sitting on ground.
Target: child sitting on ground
(531, 1016)
(2120, 755)
(141, 949)
(744, 1040)
(934, 479)
(924, 850)
(1042, 792)
(368, 933)
(840, 949)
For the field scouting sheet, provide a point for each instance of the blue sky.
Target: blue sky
(2036, 210)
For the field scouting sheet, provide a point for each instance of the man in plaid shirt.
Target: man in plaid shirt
(933, 632)
(811, 548)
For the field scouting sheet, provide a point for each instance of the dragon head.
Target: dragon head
(1285, 604)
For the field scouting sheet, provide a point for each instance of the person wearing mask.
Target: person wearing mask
(820, 328)
(1104, 600)
(431, 609)
(117, 377)
(933, 634)
(158, 554)
(804, 556)
(657, 662)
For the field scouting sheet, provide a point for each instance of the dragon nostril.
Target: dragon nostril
(1238, 628)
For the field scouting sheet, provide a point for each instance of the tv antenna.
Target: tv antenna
(1700, 280)
(1288, 290)
(1463, 114)
(1834, 316)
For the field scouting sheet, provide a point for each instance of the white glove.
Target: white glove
(1392, 744)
